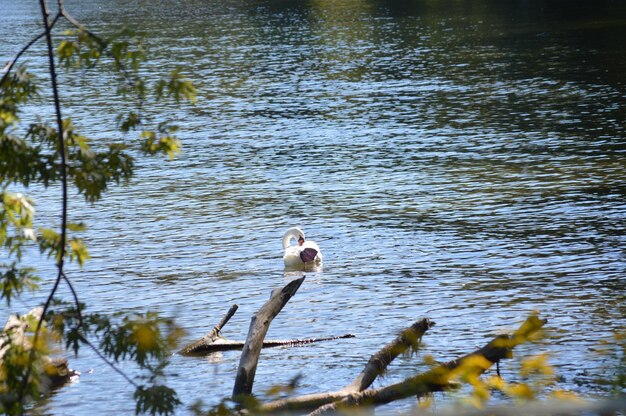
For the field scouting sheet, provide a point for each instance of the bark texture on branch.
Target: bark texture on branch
(410, 338)
(378, 362)
(439, 378)
(259, 325)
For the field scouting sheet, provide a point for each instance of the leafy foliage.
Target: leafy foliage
(14, 281)
(54, 152)
(157, 399)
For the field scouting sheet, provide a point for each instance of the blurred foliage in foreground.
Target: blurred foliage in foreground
(51, 153)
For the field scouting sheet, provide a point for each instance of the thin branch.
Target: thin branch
(225, 319)
(209, 339)
(9, 66)
(377, 364)
(76, 302)
(62, 149)
(7, 69)
(86, 341)
(80, 26)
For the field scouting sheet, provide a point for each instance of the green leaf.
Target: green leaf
(76, 226)
(78, 251)
(129, 122)
(66, 52)
(176, 87)
(17, 209)
(152, 144)
(156, 399)
(49, 242)
(14, 281)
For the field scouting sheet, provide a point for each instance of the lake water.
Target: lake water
(462, 161)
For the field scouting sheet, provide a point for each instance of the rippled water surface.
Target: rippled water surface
(462, 161)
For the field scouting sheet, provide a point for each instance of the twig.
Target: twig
(9, 66)
(130, 80)
(7, 69)
(76, 302)
(209, 339)
(217, 328)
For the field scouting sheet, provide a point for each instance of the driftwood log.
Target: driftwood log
(439, 378)
(214, 341)
(259, 325)
(223, 344)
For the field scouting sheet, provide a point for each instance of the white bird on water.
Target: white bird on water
(304, 253)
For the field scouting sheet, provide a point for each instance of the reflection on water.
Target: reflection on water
(462, 161)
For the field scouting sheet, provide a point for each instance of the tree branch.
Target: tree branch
(7, 69)
(63, 166)
(378, 362)
(438, 378)
(9, 66)
(76, 301)
(409, 338)
(130, 80)
(109, 363)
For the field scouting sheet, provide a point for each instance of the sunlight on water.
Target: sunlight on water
(462, 165)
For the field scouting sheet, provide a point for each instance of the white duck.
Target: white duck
(305, 253)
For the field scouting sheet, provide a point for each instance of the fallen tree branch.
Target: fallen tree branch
(259, 325)
(410, 338)
(378, 362)
(214, 341)
(223, 344)
(441, 377)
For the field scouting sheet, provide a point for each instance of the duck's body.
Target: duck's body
(300, 255)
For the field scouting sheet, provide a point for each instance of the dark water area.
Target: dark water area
(462, 161)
